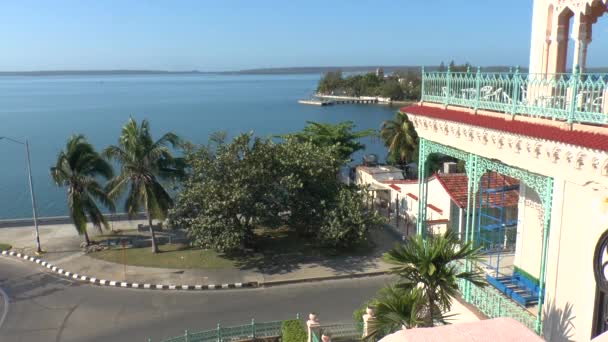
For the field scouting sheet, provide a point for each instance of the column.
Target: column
(473, 174)
(558, 49)
(547, 200)
(313, 326)
(422, 187)
(368, 317)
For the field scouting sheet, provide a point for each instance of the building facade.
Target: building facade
(548, 129)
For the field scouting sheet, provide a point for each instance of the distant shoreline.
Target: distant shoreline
(259, 71)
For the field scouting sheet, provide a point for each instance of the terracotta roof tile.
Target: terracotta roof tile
(455, 185)
(393, 186)
(590, 140)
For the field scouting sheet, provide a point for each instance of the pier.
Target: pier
(328, 100)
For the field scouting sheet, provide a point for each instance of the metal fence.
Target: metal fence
(575, 97)
(494, 304)
(235, 333)
(343, 331)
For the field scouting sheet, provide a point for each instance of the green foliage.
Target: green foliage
(230, 190)
(403, 85)
(347, 222)
(5, 246)
(78, 168)
(392, 89)
(234, 187)
(308, 179)
(428, 264)
(400, 136)
(145, 166)
(394, 308)
(341, 136)
(293, 331)
(330, 82)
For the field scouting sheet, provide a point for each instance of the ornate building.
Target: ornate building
(549, 129)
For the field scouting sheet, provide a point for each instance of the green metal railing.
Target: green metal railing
(575, 97)
(494, 304)
(235, 333)
(343, 331)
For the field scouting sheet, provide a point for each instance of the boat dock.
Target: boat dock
(316, 102)
(328, 101)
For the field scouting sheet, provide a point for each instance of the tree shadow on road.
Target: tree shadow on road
(283, 251)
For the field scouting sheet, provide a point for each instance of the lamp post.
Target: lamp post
(29, 173)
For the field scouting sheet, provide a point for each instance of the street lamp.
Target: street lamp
(29, 172)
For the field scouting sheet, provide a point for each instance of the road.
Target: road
(45, 307)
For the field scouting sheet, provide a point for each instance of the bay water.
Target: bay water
(48, 109)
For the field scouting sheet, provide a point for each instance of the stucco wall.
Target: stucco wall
(529, 231)
(577, 222)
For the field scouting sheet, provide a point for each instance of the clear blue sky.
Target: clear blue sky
(231, 34)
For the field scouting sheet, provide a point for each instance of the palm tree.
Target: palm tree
(395, 308)
(78, 168)
(400, 137)
(429, 264)
(144, 165)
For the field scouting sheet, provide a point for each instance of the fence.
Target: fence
(494, 304)
(576, 97)
(227, 334)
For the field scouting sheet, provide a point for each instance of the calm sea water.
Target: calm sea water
(47, 110)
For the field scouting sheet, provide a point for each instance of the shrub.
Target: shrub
(293, 331)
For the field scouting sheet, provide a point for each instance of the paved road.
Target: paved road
(45, 307)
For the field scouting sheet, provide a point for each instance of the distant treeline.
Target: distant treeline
(271, 71)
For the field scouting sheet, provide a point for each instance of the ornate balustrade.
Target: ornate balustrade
(576, 97)
(494, 304)
(235, 333)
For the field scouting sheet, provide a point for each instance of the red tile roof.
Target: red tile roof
(455, 185)
(590, 140)
(392, 186)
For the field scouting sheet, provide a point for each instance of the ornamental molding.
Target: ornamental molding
(582, 161)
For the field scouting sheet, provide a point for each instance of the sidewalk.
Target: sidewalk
(63, 250)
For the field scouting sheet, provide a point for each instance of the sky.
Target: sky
(243, 34)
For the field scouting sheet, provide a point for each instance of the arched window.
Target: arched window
(600, 272)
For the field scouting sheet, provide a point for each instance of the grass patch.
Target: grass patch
(285, 240)
(270, 247)
(170, 256)
(5, 246)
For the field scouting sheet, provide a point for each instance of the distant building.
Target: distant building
(380, 72)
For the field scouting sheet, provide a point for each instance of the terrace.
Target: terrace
(572, 98)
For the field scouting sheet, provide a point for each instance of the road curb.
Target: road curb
(122, 284)
(317, 279)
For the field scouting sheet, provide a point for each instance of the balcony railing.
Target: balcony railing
(576, 97)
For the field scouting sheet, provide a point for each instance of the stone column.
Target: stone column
(313, 325)
(368, 317)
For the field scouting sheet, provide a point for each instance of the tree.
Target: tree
(308, 180)
(428, 264)
(231, 188)
(392, 90)
(144, 165)
(346, 222)
(400, 136)
(330, 82)
(249, 182)
(340, 135)
(79, 168)
(394, 308)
